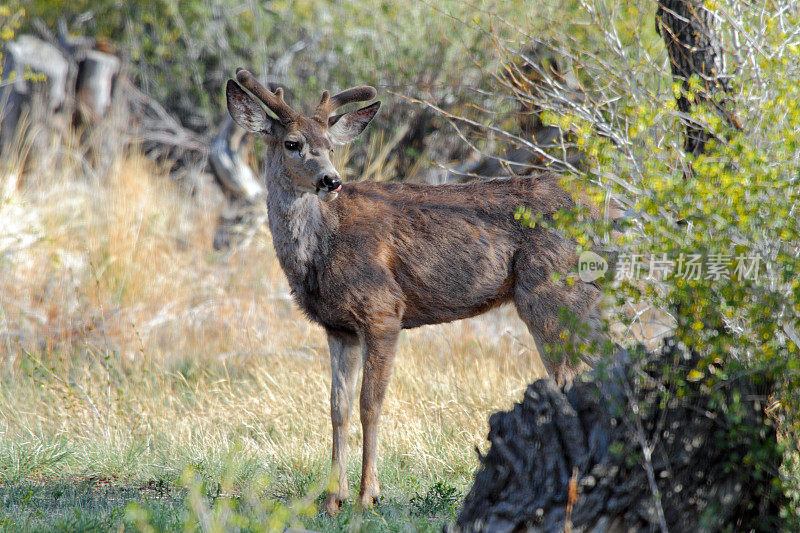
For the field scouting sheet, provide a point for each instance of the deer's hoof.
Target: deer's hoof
(368, 498)
(333, 504)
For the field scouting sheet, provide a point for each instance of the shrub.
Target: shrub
(730, 212)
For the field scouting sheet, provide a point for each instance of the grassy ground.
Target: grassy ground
(139, 366)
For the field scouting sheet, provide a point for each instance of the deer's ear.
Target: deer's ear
(246, 112)
(345, 127)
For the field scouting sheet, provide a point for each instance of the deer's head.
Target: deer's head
(304, 142)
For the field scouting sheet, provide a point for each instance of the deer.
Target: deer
(366, 260)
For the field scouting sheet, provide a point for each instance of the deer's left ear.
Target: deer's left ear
(345, 127)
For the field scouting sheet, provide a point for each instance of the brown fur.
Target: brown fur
(430, 254)
(370, 259)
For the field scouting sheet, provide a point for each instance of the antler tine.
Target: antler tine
(328, 104)
(274, 101)
(323, 108)
(355, 94)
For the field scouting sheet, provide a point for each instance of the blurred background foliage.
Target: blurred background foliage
(183, 52)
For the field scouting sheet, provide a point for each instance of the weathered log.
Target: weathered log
(244, 192)
(41, 57)
(228, 160)
(622, 451)
(42, 101)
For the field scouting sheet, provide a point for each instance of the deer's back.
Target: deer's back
(494, 200)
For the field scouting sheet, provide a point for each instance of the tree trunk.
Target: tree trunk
(623, 452)
(94, 88)
(690, 33)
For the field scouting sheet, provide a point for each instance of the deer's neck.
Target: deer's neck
(300, 223)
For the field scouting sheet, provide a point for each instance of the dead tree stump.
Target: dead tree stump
(102, 108)
(621, 451)
(41, 105)
(54, 86)
(97, 72)
(228, 159)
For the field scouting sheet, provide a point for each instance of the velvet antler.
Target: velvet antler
(328, 104)
(274, 101)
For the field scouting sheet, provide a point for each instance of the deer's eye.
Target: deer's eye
(293, 146)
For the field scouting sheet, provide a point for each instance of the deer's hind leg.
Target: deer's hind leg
(346, 352)
(540, 302)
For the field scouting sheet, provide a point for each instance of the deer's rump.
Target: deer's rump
(449, 251)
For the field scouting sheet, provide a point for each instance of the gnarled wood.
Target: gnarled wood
(40, 100)
(228, 160)
(592, 436)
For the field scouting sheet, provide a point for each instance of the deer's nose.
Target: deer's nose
(330, 182)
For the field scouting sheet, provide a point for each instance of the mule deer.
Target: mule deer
(366, 260)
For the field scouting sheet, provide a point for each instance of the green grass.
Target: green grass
(146, 382)
(95, 504)
(50, 482)
(85, 505)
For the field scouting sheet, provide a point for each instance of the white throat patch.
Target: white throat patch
(305, 225)
(299, 228)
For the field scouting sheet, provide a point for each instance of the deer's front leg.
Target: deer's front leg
(379, 348)
(345, 363)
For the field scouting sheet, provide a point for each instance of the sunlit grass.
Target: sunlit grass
(131, 351)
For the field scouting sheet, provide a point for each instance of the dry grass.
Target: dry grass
(131, 351)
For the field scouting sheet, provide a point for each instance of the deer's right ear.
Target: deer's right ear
(246, 112)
